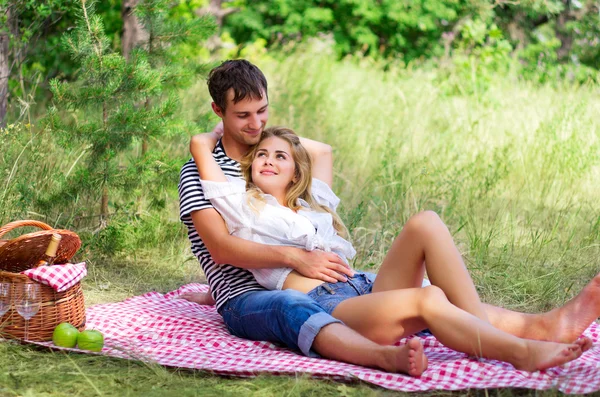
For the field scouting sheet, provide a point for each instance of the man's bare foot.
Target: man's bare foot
(408, 358)
(201, 298)
(565, 324)
(542, 355)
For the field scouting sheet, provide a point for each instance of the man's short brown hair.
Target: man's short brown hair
(245, 78)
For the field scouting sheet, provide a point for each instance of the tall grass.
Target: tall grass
(511, 167)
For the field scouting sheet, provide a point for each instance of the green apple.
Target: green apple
(90, 340)
(65, 335)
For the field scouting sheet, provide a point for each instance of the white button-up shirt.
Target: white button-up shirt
(273, 224)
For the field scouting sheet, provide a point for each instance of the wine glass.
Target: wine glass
(4, 298)
(28, 302)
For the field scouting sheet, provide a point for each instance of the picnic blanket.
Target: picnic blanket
(173, 332)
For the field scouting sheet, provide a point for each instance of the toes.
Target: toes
(584, 343)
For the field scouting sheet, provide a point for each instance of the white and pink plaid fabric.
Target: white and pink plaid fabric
(172, 332)
(59, 277)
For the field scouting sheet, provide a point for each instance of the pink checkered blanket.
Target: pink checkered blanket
(173, 332)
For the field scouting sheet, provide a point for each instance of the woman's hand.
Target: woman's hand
(320, 265)
(201, 148)
(218, 131)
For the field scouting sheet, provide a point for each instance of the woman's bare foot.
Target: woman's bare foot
(541, 355)
(565, 324)
(408, 358)
(201, 298)
(584, 343)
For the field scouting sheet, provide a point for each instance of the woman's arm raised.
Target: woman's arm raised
(201, 147)
(322, 159)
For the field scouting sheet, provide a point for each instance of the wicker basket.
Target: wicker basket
(21, 254)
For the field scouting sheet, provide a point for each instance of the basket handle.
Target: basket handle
(13, 225)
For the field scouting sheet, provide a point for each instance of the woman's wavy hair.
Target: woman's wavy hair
(301, 188)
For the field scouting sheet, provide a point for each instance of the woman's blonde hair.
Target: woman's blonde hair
(301, 188)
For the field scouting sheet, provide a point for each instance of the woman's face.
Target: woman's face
(273, 167)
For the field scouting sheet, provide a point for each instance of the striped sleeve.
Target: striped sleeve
(191, 195)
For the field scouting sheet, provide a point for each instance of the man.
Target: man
(239, 92)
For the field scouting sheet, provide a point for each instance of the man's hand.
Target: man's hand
(320, 265)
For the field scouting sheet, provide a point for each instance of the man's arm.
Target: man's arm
(225, 248)
(322, 158)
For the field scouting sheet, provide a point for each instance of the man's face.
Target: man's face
(244, 121)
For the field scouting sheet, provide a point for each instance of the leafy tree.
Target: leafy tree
(115, 102)
(373, 27)
(23, 25)
(421, 29)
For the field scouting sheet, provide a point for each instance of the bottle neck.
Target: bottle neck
(52, 247)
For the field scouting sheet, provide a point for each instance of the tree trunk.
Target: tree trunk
(215, 8)
(104, 204)
(4, 37)
(133, 31)
(565, 37)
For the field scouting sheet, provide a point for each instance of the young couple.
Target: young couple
(261, 220)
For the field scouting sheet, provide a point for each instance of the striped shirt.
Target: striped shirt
(226, 281)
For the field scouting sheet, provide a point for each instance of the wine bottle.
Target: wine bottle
(50, 255)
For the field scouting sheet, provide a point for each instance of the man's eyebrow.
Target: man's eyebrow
(245, 111)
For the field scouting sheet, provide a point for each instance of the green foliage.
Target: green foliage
(377, 28)
(480, 54)
(539, 32)
(115, 103)
(14, 142)
(33, 55)
(558, 32)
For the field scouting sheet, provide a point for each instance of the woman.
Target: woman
(280, 204)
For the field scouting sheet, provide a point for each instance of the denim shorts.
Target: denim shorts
(329, 295)
(287, 317)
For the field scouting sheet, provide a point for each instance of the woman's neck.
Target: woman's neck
(279, 196)
(280, 199)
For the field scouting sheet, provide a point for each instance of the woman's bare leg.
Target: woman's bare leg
(425, 244)
(385, 317)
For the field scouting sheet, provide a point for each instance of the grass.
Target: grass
(511, 167)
